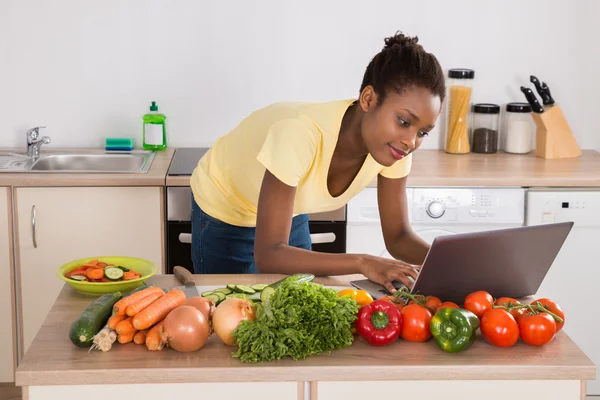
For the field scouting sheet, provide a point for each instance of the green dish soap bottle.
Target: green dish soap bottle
(155, 132)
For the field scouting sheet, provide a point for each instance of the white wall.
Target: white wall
(88, 70)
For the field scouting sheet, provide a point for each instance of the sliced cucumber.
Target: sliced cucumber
(213, 298)
(244, 289)
(237, 296)
(113, 273)
(224, 290)
(231, 287)
(266, 294)
(259, 287)
(207, 293)
(123, 269)
(219, 295)
(78, 277)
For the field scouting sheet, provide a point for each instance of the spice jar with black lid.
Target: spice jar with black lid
(485, 128)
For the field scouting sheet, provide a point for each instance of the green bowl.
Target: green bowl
(144, 267)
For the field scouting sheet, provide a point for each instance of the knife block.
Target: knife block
(553, 136)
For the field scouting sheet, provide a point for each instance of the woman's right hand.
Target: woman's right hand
(384, 271)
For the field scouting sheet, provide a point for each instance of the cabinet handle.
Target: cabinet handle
(185, 237)
(33, 226)
(317, 238)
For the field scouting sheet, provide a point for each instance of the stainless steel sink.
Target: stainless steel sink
(136, 162)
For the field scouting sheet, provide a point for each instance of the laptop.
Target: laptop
(508, 262)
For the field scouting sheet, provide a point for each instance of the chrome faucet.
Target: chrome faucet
(34, 142)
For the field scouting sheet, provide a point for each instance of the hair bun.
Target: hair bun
(401, 40)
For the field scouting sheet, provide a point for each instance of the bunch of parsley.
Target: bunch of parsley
(299, 320)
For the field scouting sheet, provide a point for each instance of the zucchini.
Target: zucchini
(244, 289)
(92, 319)
(78, 278)
(207, 293)
(113, 273)
(258, 287)
(231, 287)
(214, 298)
(224, 290)
(266, 293)
(295, 277)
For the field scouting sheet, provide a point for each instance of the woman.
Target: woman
(256, 185)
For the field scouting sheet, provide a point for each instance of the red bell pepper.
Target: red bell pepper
(379, 322)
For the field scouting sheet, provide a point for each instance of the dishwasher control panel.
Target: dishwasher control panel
(580, 207)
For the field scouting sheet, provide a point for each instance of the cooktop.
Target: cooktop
(185, 160)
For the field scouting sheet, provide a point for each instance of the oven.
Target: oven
(328, 229)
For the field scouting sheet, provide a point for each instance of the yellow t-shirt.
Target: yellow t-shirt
(295, 142)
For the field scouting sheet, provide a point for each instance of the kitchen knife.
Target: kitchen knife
(547, 91)
(546, 99)
(532, 100)
(185, 276)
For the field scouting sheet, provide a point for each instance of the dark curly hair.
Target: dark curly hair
(403, 63)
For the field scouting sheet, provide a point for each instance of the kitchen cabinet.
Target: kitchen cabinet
(7, 328)
(56, 225)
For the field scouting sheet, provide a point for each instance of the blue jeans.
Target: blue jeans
(221, 248)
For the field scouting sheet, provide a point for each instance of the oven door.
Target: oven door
(179, 228)
(328, 231)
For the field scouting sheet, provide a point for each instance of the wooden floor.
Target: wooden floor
(8, 391)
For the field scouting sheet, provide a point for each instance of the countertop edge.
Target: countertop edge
(295, 374)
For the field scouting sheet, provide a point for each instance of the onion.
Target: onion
(206, 306)
(228, 316)
(185, 329)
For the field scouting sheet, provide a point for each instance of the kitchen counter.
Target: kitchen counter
(154, 177)
(53, 367)
(430, 168)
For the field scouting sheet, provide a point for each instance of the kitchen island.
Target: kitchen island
(54, 369)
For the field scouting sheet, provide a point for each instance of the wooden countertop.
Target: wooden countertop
(155, 176)
(437, 168)
(430, 168)
(53, 360)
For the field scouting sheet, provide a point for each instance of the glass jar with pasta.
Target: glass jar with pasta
(460, 88)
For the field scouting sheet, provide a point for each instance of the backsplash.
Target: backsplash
(90, 70)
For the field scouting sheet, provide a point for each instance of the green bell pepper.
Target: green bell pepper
(454, 329)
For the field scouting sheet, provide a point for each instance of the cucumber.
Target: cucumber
(123, 269)
(78, 278)
(295, 277)
(244, 289)
(207, 293)
(92, 319)
(215, 299)
(266, 293)
(237, 296)
(231, 287)
(224, 290)
(113, 273)
(220, 295)
(258, 286)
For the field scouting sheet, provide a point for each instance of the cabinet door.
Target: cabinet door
(78, 222)
(7, 328)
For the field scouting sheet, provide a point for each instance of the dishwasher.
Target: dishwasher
(575, 273)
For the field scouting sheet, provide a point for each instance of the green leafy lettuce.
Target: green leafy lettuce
(299, 320)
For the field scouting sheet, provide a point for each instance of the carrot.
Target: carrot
(114, 320)
(127, 276)
(153, 340)
(139, 305)
(93, 262)
(121, 306)
(102, 264)
(126, 338)
(124, 327)
(95, 273)
(140, 337)
(158, 310)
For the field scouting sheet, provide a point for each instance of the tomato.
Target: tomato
(517, 313)
(499, 328)
(555, 309)
(398, 303)
(447, 304)
(479, 303)
(361, 297)
(430, 301)
(415, 323)
(537, 329)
